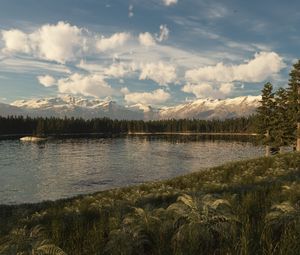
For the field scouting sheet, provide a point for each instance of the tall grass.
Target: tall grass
(248, 207)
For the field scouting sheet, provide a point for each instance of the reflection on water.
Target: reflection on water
(32, 172)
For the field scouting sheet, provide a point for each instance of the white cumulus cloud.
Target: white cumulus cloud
(154, 98)
(60, 42)
(160, 72)
(87, 85)
(205, 90)
(146, 39)
(226, 88)
(120, 70)
(114, 41)
(15, 41)
(263, 66)
(47, 80)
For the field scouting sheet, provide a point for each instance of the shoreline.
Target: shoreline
(137, 185)
(193, 133)
(227, 197)
(106, 135)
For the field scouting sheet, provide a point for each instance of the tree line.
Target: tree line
(278, 117)
(52, 126)
(277, 121)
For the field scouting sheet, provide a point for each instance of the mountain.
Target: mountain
(77, 107)
(212, 108)
(71, 106)
(6, 109)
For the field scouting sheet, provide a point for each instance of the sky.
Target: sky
(153, 52)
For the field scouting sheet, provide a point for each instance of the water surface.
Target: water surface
(33, 172)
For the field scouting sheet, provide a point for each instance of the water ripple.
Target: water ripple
(56, 169)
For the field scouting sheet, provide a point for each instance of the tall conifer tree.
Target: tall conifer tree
(294, 102)
(266, 118)
(283, 131)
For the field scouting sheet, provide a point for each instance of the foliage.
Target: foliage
(56, 126)
(248, 207)
(278, 117)
(266, 115)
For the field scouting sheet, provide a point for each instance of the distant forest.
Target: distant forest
(55, 126)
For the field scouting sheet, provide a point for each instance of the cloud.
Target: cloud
(215, 11)
(114, 41)
(87, 85)
(60, 42)
(25, 65)
(155, 97)
(163, 33)
(46, 80)
(161, 73)
(15, 41)
(120, 70)
(263, 66)
(226, 88)
(169, 2)
(146, 39)
(125, 91)
(130, 11)
(205, 90)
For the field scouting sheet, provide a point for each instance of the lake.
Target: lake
(61, 168)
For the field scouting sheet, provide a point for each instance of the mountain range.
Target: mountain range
(73, 106)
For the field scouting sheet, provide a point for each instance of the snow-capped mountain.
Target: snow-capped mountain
(212, 108)
(71, 106)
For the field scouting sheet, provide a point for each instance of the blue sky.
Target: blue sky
(158, 52)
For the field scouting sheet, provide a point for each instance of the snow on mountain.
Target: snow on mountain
(79, 107)
(71, 106)
(212, 108)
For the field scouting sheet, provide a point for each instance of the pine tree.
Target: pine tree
(40, 128)
(294, 102)
(283, 133)
(266, 118)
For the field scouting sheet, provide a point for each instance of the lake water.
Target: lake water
(33, 172)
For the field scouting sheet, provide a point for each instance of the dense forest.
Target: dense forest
(278, 117)
(56, 126)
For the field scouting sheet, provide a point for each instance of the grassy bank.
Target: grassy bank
(248, 207)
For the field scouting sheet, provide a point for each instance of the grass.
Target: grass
(247, 207)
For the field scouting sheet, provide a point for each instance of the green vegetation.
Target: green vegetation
(248, 207)
(278, 117)
(56, 126)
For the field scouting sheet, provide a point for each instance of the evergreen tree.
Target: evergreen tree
(283, 133)
(40, 128)
(266, 118)
(294, 101)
